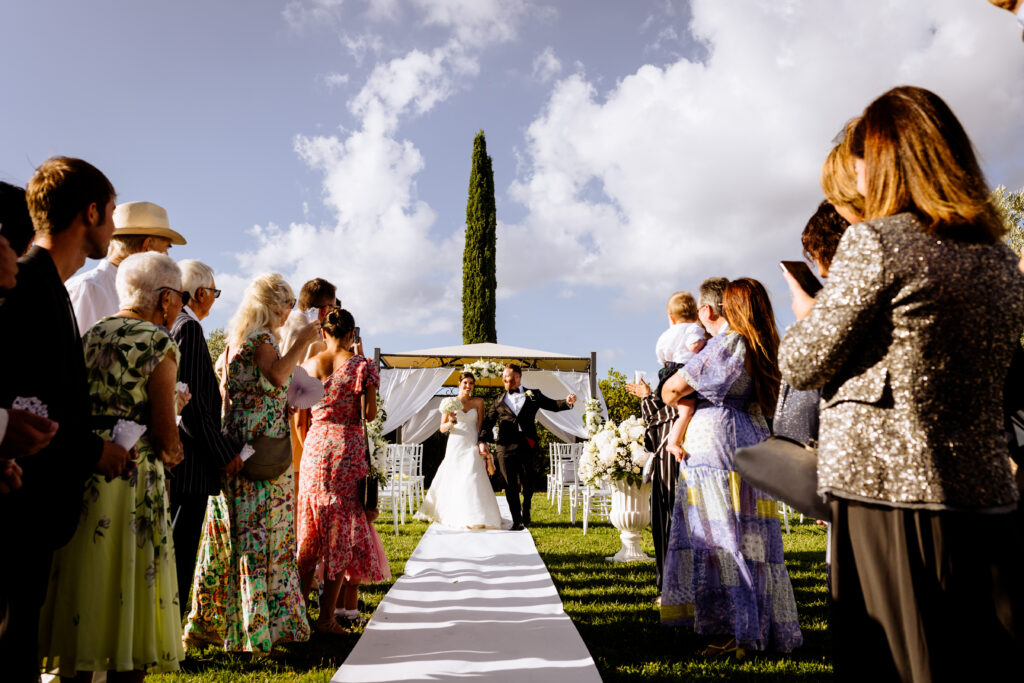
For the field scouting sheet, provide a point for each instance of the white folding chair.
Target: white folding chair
(565, 473)
(413, 476)
(552, 472)
(389, 495)
(596, 499)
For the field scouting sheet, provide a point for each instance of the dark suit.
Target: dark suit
(207, 450)
(659, 418)
(517, 443)
(42, 355)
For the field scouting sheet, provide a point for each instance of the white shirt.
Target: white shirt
(515, 400)
(94, 294)
(674, 343)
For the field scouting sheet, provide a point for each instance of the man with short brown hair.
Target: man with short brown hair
(71, 204)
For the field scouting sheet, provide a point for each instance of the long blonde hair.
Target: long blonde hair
(258, 310)
(748, 310)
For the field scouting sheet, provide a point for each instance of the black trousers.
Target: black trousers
(188, 510)
(920, 595)
(663, 494)
(516, 466)
(26, 573)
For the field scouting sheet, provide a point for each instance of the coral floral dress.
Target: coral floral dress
(332, 523)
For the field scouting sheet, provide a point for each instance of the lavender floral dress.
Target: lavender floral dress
(245, 592)
(724, 570)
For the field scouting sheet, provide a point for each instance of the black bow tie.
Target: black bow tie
(516, 391)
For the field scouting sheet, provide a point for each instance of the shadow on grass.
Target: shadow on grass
(613, 607)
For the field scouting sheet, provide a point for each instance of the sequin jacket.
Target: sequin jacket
(910, 341)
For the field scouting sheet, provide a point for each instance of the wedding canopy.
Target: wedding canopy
(410, 382)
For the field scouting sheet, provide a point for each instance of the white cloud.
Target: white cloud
(334, 80)
(546, 66)
(302, 13)
(390, 269)
(694, 169)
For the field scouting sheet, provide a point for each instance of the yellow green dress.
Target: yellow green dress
(112, 602)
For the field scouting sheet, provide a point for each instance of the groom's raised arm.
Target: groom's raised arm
(555, 406)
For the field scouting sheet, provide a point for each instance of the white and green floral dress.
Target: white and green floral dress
(112, 602)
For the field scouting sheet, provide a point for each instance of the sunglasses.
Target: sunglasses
(185, 296)
(211, 290)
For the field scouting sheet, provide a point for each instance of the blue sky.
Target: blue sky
(638, 146)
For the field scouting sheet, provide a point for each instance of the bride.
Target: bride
(460, 497)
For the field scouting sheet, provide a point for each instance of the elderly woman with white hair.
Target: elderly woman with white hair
(245, 593)
(112, 603)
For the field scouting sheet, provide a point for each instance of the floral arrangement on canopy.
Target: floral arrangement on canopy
(485, 369)
(377, 444)
(615, 452)
(592, 417)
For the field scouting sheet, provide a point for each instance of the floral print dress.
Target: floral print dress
(112, 602)
(245, 592)
(725, 574)
(332, 522)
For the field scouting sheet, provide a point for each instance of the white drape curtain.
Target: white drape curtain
(556, 384)
(406, 390)
(424, 423)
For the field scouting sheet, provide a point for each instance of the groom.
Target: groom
(515, 413)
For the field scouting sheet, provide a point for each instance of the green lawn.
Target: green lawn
(611, 605)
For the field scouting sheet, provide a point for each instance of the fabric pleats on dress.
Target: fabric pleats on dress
(333, 527)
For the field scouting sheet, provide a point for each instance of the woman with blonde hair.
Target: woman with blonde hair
(725, 575)
(839, 177)
(910, 341)
(245, 593)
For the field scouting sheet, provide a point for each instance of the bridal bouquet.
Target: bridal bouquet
(615, 452)
(592, 417)
(451, 406)
(485, 369)
(377, 444)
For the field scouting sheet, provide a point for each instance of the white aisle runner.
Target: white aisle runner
(471, 604)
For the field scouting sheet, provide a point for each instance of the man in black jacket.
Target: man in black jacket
(71, 203)
(208, 452)
(515, 414)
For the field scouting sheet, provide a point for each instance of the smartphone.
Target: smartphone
(801, 272)
(311, 314)
(357, 339)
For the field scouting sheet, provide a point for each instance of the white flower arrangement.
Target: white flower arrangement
(615, 452)
(451, 406)
(529, 394)
(485, 369)
(378, 444)
(592, 417)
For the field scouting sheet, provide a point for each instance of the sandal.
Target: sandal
(728, 648)
(331, 628)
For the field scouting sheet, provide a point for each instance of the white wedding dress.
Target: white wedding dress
(460, 496)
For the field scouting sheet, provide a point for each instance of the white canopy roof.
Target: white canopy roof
(410, 381)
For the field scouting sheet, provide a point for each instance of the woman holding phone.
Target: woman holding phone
(910, 341)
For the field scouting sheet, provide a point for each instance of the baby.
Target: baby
(684, 338)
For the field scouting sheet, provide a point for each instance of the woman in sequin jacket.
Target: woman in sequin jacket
(909, 342)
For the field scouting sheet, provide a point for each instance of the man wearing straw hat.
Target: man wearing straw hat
(138, 227)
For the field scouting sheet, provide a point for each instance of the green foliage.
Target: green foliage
(479, 279)
(1011, 206)
(621, 404)
(216, 341)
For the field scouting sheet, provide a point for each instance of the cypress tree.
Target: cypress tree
(479, 279)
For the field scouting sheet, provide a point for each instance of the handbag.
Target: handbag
(272, 455)
(367, 486)
(784, 469)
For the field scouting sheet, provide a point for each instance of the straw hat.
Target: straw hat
(144, 218)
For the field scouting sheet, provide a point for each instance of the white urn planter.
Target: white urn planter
(631, 512)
